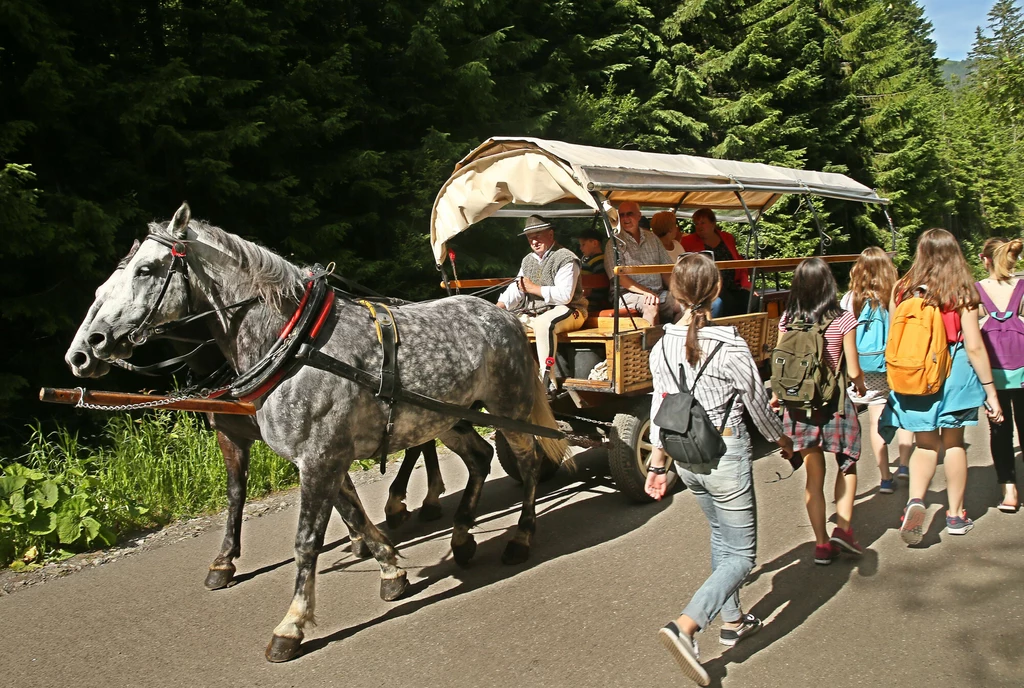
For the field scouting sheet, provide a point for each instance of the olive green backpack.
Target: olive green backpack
(801, 377)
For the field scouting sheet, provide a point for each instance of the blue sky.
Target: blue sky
(954, 22)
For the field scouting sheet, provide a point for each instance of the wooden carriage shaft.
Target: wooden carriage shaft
(115, 399)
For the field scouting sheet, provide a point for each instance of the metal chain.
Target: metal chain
(604, 423)
(184, 395)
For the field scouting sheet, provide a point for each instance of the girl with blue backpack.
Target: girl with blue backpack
(871, 283)
(1003, 332)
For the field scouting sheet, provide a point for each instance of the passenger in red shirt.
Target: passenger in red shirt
(707, 236)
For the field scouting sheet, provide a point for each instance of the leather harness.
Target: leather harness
(387, 335)
(295, 347)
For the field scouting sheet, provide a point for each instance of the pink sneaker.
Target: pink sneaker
(843, 539)
(824, 554)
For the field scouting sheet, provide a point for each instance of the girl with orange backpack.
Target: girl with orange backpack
(934, 311)
(1002, 329)
(871, 282)
(828, 424)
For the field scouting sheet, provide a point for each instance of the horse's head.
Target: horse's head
(79, 356)
(148, 288)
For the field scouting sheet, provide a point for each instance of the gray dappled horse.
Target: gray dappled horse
(460, 350)
(235, 435)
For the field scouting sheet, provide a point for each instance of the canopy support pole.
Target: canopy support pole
(444, 278)
(616, 292)
(824, 240)
(892, 227)
(757, 250)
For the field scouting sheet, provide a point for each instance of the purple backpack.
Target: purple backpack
(1003, 332)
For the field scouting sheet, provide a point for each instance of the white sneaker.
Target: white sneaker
(684, 649)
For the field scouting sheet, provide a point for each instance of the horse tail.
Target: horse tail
(555, 450)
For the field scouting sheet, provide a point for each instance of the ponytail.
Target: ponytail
(1004, 258)
(699, 319)
(695, 284)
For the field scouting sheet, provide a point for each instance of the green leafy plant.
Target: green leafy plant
(40, 513)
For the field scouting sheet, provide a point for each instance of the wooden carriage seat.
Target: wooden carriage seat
(604, 320)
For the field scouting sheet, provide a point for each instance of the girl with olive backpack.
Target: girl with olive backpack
(1003, 332)
(826, 420)
(936, 296)
(714, 365)
(871, 283)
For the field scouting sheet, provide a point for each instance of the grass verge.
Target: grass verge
(65, 495)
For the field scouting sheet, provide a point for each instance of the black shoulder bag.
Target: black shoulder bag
(687, 434)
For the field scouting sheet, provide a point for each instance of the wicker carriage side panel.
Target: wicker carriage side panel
(632, 367)
(752, 328)
(771, 337)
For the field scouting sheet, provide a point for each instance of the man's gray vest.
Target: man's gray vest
(543, 273)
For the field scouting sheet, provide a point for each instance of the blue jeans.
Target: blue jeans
(717, 306)
(726, 496)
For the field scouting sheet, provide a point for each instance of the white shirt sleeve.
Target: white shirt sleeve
(847, 302)
(512, 297)
(565, 285)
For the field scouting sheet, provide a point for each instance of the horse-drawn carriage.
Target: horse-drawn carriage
(515, 177)
(328, 382)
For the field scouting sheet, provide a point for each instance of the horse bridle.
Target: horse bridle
(179, 265)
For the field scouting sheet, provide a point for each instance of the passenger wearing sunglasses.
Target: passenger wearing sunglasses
(646, 293)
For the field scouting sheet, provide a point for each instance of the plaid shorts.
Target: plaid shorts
(838, 433)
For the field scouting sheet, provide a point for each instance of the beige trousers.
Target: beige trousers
(546, 328)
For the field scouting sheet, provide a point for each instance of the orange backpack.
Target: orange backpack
(917, 359)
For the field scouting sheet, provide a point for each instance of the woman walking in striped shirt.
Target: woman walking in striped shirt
(833, 427)
(728, 384)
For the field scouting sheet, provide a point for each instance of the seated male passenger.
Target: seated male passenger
(546, 294)
(647, 293)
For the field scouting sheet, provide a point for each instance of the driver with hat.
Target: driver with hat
(546, 294)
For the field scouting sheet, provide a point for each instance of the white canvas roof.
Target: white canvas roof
(537, 172)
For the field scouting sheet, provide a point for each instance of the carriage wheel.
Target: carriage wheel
(508, 461)
(629, 453)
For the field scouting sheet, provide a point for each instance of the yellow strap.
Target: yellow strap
(373, 315)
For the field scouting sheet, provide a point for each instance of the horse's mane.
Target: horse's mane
(266, 274)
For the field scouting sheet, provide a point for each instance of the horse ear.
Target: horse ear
(179, 224)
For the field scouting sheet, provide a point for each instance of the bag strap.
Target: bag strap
(681, 380)
(728, 410)
(986, 300)
(707, 361)
(668, 366)
(1016, 297)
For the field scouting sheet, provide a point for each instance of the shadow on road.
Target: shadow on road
(565, 525)
(792, 600)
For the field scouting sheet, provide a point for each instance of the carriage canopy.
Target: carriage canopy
(536, 172)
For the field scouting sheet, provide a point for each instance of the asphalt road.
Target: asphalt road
(584, 611)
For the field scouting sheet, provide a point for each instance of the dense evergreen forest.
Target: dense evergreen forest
(323, 128)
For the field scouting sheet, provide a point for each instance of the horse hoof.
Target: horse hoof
(360, 550)
(464, 553)
(430, 512)
(397, 519)
(219, 578)
(393, 588)
(515, 553)
(282, 649)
